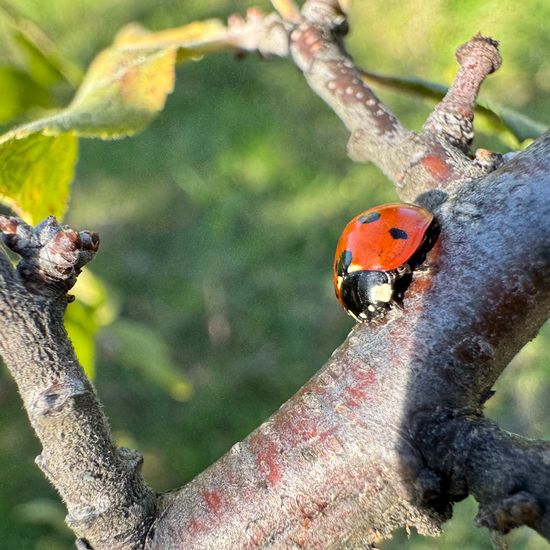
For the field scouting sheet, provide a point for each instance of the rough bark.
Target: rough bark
(108, 504)
(391, 431)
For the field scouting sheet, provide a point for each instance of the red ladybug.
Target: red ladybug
(376, 254)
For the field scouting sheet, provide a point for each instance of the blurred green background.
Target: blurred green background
(213, 301)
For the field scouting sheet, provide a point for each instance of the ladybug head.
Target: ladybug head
(367, 295)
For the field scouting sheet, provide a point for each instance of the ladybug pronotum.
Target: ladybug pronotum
(376, 255)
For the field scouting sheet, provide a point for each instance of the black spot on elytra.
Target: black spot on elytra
(343, 263)
(370, 217)
(397, 233)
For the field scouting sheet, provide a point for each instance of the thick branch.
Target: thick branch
(390, 432)
(109, 505)
(360, 440)
(362, 448)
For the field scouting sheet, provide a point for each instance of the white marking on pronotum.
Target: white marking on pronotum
(382, 293)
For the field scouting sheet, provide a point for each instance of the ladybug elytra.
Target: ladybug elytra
(376, 255)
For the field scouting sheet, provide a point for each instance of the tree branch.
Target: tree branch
(108, 503)
(453, 118)
(318, 51)
(390, 432)
(435, 158)
(507, 474)
(370, 444)
(366, 437)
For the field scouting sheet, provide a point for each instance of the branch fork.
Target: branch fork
(390, 431)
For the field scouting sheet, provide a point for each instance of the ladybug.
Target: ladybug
(376, 255)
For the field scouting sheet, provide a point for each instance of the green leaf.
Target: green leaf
(142, 349)
(19, 92)
(520, 125)
(92, 309)
(38, 54)
(125, 87)
(409, 84)
(35, 174)
(42, 511)
(127, 84)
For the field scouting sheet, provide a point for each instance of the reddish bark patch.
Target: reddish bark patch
(195, 526)
(359, 392)
(267, 460)
(323, 436)
(213, 501)
(437, 167)
(355, 397)
(308, 41)
(305, 433)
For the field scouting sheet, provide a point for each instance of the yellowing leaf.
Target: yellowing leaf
(197, 38)
(120, 95)
(35, 174)
(124, 88)
(127, 84)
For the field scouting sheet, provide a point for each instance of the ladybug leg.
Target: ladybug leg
(397, 303)
(401, 280)
(403, 270)
(426, 268)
